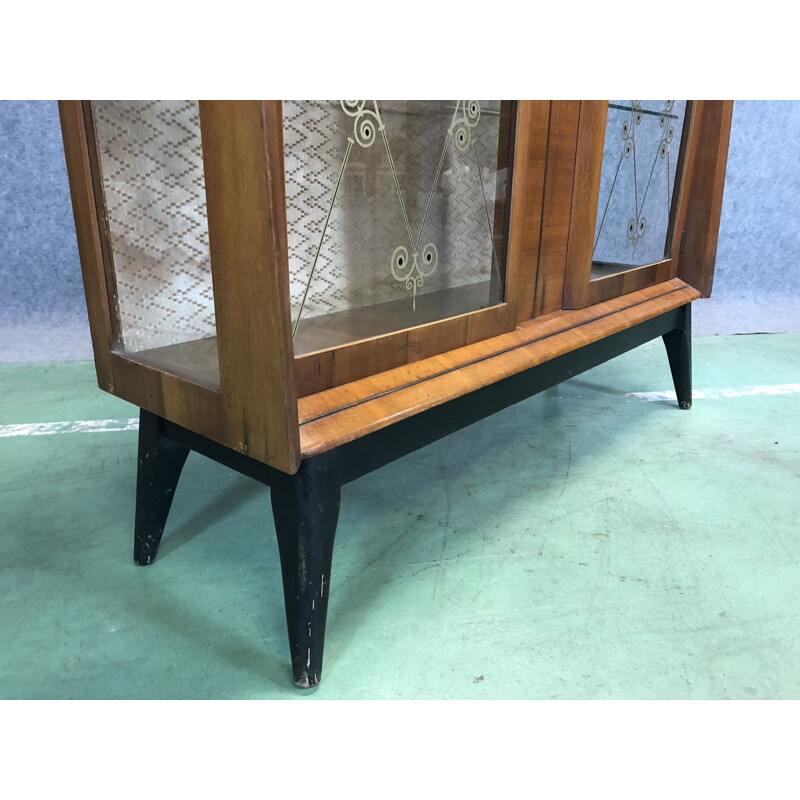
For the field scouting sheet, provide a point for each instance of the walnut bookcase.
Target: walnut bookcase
(255, 285)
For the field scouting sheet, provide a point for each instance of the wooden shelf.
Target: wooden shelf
(342, 327)
(602, 269)
(198, 360)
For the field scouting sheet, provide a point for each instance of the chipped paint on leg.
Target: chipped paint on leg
(303, 682)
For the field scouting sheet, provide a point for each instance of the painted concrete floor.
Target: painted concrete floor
(591, 542)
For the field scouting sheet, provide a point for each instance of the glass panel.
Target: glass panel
(637, 184)
(395, 213)
(151, 166)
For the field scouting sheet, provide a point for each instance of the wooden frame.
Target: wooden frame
(243, 161)
(701, 226)
(247, 398)
(580, 289)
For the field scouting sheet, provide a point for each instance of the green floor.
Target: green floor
(583, 544)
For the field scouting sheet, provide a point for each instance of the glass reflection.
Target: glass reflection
(637, 184)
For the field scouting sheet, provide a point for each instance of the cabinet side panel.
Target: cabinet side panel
(699, 247)
(86, 228)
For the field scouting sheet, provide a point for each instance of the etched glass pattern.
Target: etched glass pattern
(152, 175)
(637, 184)
(391, 210)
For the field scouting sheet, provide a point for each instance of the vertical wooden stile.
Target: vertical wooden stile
(243, 160)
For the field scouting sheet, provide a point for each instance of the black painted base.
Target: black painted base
(161, 461)
(679, 352)
(306, 505)
(306, 509)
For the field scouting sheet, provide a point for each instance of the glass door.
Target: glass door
(628, 197)
(394, 214)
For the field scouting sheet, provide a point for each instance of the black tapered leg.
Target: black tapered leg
(160, 463)
(679, 353)
(306, 509)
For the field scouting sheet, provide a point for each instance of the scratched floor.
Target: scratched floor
(587, 543)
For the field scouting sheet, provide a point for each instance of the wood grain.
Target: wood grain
(102, 221)
(315, 372)
(701, 226)
(378, 319)
(506, 144)
(243, 160)
(556, 322)
(561, 153)
(76, 151)
(173, 397)
(630, 280)
(342, 415)
(196, 361)
(525, 224)
(585, 198)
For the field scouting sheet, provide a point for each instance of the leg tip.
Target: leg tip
(145, 550)
(306, 680)
(685, 404)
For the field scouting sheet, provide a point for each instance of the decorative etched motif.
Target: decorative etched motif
(414, 275)
(466, 117)
(633, 147)
(404, 268)
(668, 129)
(410, 264)
(637, 224)
(364, 128)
